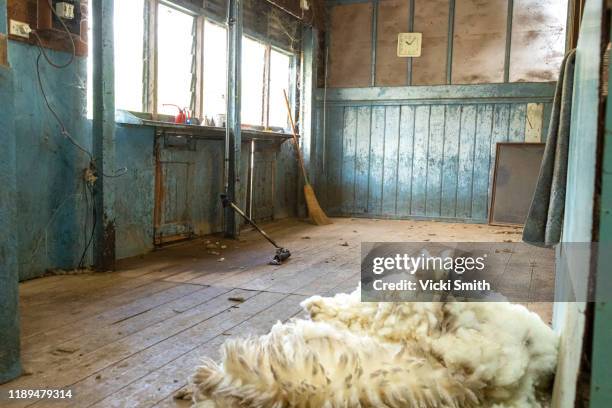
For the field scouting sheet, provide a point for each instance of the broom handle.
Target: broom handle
(295, 138)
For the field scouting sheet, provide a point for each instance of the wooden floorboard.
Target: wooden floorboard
(132, 337)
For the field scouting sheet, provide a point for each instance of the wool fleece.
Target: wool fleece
(353, 354)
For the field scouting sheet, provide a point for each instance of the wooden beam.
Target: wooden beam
(233, 137)
(10, 366)
(483, 93)
(150, 50)
(104, 133)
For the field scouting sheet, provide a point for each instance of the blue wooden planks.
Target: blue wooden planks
(390, 154)
(465, 172)
(362, 159)
(419, 165)
(376, 162)
(335, 119)
(390, 167)
(450, 166)
(348, 160)
(405, 161)
(482, 162)
(516, 124)
(435, 156)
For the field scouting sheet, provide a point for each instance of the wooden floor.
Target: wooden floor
(131, 338)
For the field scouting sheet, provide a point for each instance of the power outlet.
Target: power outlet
(20, 29)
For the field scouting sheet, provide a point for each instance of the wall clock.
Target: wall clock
(409, 44)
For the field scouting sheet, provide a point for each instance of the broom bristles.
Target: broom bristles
(316, 214)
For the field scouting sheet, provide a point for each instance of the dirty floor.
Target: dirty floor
(132, 337)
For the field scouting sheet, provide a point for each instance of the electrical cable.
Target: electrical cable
(88, 186)
(63, 129)
(72, 55)
(93, 227)
(42, 53)
(80, 266)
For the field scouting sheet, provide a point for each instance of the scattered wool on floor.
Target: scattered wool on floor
(354, 354)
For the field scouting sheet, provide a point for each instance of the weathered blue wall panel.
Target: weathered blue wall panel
(419, 161)
(362, 159)
(134, 199)
(429, 152)
(50, 193)
(347, 159)
(375, 162)
(450, 162)
(405, 161)
(434, 158)
(286, 182)
(334, 171)
(390, 155)
(49, 169)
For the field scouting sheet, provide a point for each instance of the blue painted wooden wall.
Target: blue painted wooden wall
(420, 152)
(134, 199)
(274, 194)
(50, 196)
(50, 192)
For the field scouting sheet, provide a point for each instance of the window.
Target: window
(253, 62)
(192, 66)
(215, 71)
(280, 80)
(175, 60)
(263, 104)
(538, 40)
(129, 46)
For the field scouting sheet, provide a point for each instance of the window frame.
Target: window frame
(193, 103)
(150, 76)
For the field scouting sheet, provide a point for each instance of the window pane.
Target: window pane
(129, 45)
(538, 39)
(215, 70)
(129, 38)
(280, 71)
(175, 57)
(253, 56)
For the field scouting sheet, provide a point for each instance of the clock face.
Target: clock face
(409, 44)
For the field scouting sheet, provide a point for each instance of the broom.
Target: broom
(316, 214)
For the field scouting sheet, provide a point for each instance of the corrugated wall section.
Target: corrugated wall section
(431, 158)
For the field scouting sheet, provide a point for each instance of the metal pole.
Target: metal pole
(451, 38)
(374, 41)
(233, 137)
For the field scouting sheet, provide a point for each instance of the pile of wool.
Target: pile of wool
(358, 354)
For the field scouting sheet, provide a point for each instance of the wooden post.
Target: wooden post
(10, 366)
(104, 133)
(233, 137)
